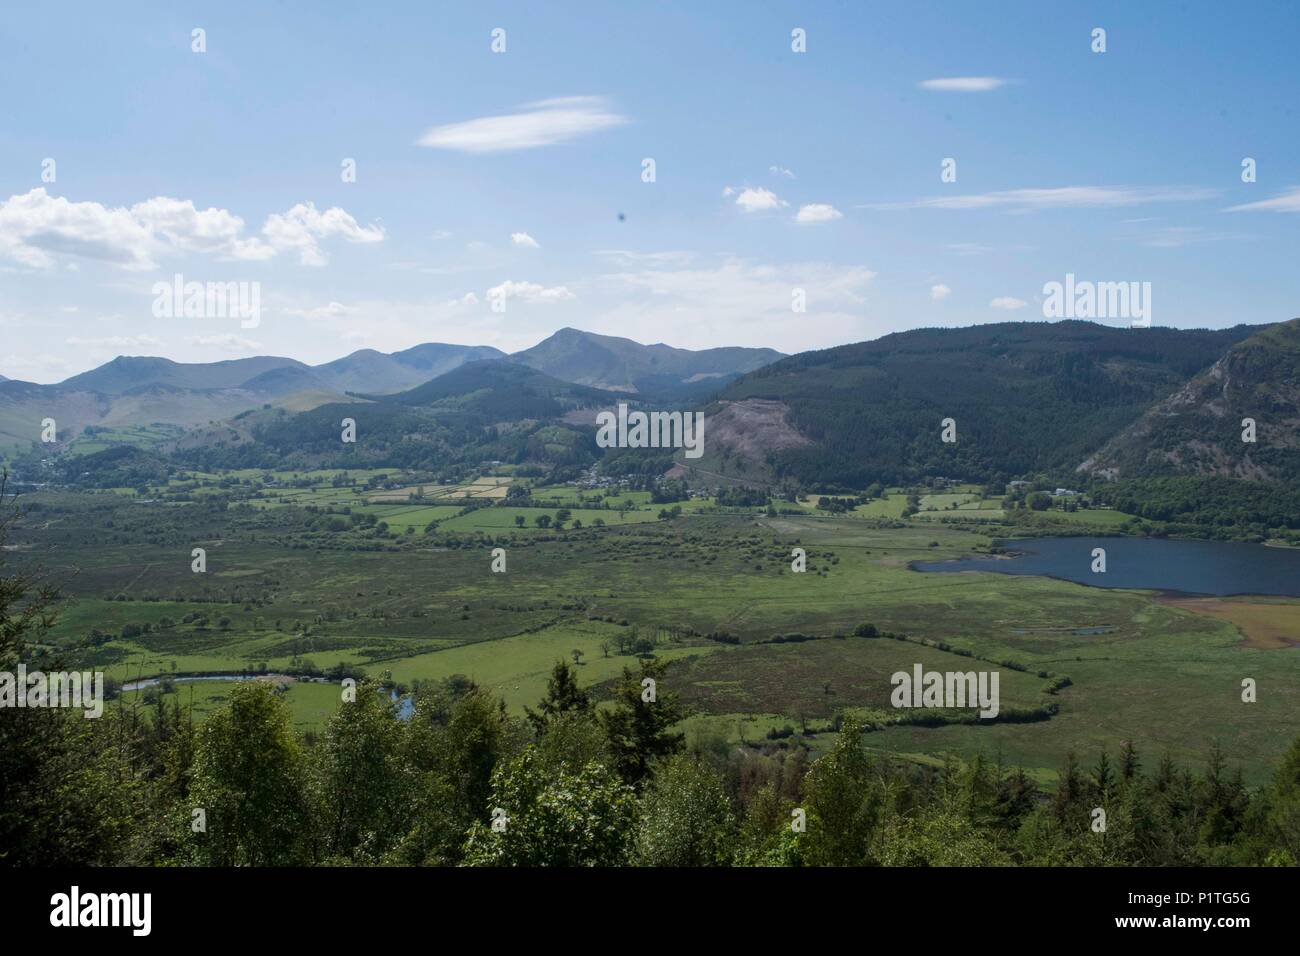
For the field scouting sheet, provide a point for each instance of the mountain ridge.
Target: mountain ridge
(1025, 397)
(210, 391)
(621, 364)
(1198, 429)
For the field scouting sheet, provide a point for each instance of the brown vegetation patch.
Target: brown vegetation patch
(1264, 623)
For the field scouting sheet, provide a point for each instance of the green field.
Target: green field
(516, 668)
(310, 703)
(754, 646)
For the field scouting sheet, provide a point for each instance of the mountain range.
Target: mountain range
(133, 390)
(1073, 401)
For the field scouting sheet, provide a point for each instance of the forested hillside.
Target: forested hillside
(481, 411)
(1205, 428)
(1025, 398)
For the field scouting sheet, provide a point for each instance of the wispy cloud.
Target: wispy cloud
(964, 84)
(1061, 197)
(117, 341)
(226, 343)
(1288, 201)
(42, 366)
(1008, 302)
(524, 239)
(330, 311)
(751, 299)
(781, 171)
(939, 292)
(1176, 237)
(628, 257)
(543, 123)
(528, 292)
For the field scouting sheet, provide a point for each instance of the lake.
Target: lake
(1192, 567)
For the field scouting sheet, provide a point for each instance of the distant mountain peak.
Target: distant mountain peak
(624, 365)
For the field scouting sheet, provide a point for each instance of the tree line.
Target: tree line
(462, 782)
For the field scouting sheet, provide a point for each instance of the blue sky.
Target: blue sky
(224, 166)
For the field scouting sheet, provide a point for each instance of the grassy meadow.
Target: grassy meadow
(756, 649)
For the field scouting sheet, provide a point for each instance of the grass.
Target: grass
(310, 703)
(502, 519)
(1166, 675)
(817, 679)
(516, 668)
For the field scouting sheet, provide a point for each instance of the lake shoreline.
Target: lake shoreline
(1176, 567)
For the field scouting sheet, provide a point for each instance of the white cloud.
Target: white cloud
(117, 341)
(524, 239)
(743, 284)
(968, 248)
(36, 227)
(817, 212)
(392, 324)
(302, 226)
(42, 367)
(227, 343)
(1008, 302)
(332, 310)
(529, 292)
(627, 257)
(964, 84)
(1288, 201)
(189, 229)
(734, 302)
(687, 299)
(1176, 237)
(1063, 197)
(758, 200)
(939, 292)
(781, 171)
(545, 123)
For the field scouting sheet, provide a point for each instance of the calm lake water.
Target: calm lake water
(1193, 567)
